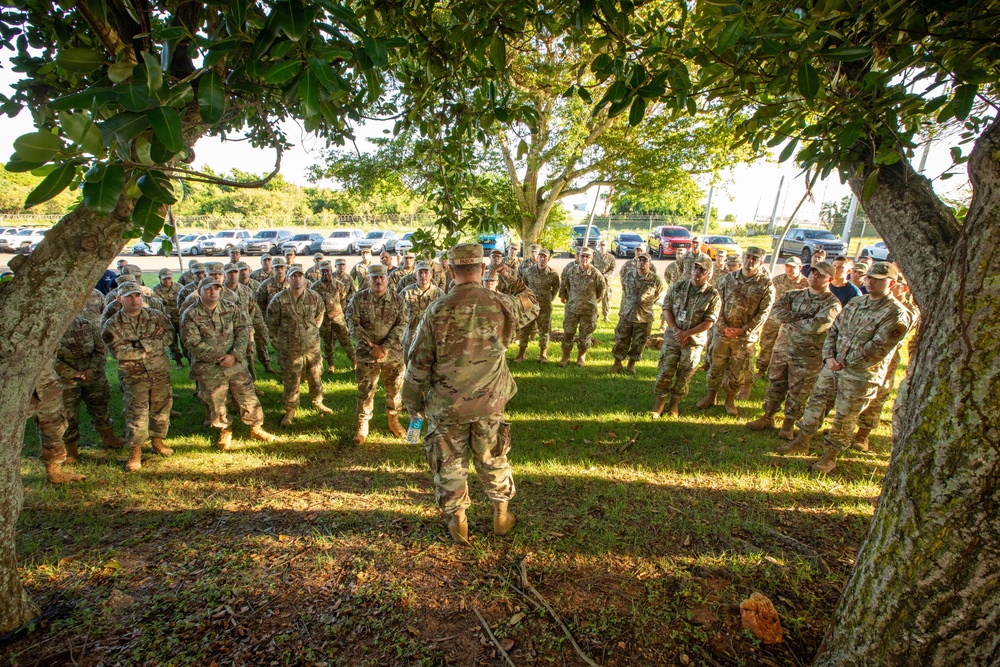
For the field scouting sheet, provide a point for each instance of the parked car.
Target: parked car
(342, 240)
(21, 242)
(154, 247)
(223, 241)
(579, 231)
(304, 244)
(7, 235)
(491, 241)
(402, 244)
(624, 244)
(375, 240)
(877, 251)
(664, 241)
(711, 245)
(189, 243)
(804, 242)
(266, 241)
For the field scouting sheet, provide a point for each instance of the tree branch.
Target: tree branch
(569, 192)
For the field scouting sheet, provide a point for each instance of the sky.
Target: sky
(744, 190)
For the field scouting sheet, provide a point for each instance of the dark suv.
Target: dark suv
(664, 241)
(579, 231)
(805, 242)
(266, 241)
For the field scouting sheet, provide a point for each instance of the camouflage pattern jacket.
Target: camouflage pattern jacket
(359, 272)
(113, 308)
(169, 297)
(865, 335)
(260, 276)
(139, 343)
(687, 263)
(671, 274)
(805, 318)
(377, 320)
(457, 371)
(582, 289)
(210, 334)
(784, 284)
(691, 305)
(522, 271)
(397, 276)
(268, 290)
(639, 294)
(313, 274)
(335, 298)
(94, 308)
(294, 322)
(746, 302)
(80, 349)
(544, 283)
(417, 301)
(605, 263)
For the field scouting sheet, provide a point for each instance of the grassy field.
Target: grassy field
(642, 536)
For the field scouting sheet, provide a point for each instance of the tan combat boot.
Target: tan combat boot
(616, 367)
(225, 439)
(581, 359)
(160, 448)
(322, 408)
(800, 445)
(458, 528)
(675, 406)
(257, 432)
(746, 390)
(827, 462)
(564, 362)
(543, 358)
(110, 439)
(503, 519)
(362, 432)
(289, 416)
(762, 423)
(658, 407)
(520, 353)
(54, 474)
(134, 460)
(708, 401)
(630, 369)
(731, 405)
(787, 431)
(394, 426)
(72, 453)
(860, 441)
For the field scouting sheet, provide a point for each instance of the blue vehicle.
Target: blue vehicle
(491, 241)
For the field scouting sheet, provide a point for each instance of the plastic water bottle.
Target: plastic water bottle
(413, 433)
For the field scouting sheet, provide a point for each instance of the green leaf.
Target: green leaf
(309, 93)
(102, 196)
(146, 215)
(846, 54)
(965, 97)
(522, 149)
(375, 48)
(294, 18)
(125, 125)
(167, 247)
(870, 184)
(89, 99)
(283, 71)
(179, 96)
(637, 112)
(57, 181)
(498, 52)
(731, 33)
(808, 81)
(160, 153)
(120, 72)
(142, 149)
(157, 187)
(238, 11)
(37, 146)
(154, 74)
(788, 150)
(82, 130)
(852, 132)
(18, 166)
(133, 96)
(81, 61)
(211, 97)
(327, 78)
(167, 127)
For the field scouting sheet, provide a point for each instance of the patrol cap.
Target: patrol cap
(515, 243)
(132, 288)
(214, 267)
(191, 263)
(196, 267)
(377, 270)
(279, 261)
(134, 269)
(165, 273)
(705, 263)
(207, 282)
(496, 251)
(231, 268)
(423, 265)
(543, 251)
(235, 248)
(466, 254)
(534, 247)
(733, 260)
(721, 252)
(826, 268)
(295, 268)
(124, 278)
(340, 261)
(754, 251)
(242, 265)
(318, 255)
(883, 270)
(366, 251)
(326, 264)
(642, 255)
(409, 255)
(587, 252)
(793, 261)
(860, 267)
(266, 255)
(491, 277)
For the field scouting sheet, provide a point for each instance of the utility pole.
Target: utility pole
(708, 207)
(774, 211)
(852, 212)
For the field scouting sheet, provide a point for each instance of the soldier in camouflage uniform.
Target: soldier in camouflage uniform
(94, 307)
(47, 407)
(245, 278)
(267, 291)
(605, 262)
(313, 274)
(335, 297)
(218, 334)
(290, 259)
(672, 274)
(199, 273)
(167, 290)
(543, 281)
(631, 264)
(266, 269)
(581, 289)
(417, 297)
(747, 296)
(858, 273)
(691, 308)
(359, 272)
(856, 357)
(407, 269)
(503, 283)
(187, 277)
(792, 279)
(531, 260)
(294, 318)
(80, 363)
(149, 299)
(216, 273)
(235, 255)
(691, 257)
(805, 316)
(377, 319)
(458, 377)
(139, 337)
(261, 339)
(640, 290)
(246, 299)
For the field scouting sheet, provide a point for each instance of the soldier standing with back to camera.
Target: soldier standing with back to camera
(581, 288)
(543, 281)
(167, 291)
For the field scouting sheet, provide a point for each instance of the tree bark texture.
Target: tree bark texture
(925, 589)
(36, 307)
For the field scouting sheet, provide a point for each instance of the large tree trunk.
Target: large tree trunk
(36, 307)
(925, 589)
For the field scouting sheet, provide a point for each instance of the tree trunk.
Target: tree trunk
(36, 307)
(925, 589)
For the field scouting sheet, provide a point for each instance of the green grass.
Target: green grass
(643, 535)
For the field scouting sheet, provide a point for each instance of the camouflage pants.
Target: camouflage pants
(606, 299)
(46, 406)
(542, 324)
(678, 364)
(175, 342)
(216, 384)
(96, 395)
(871, 417)
(332, 333)
(585, 321)
(768, 335)
(630, 339)
(367, 374)
(730, 362)
(148, 399)
(790, 380)
(709, 345)
(450, 446)
(295, 364)
(849, 398)
(262, 339)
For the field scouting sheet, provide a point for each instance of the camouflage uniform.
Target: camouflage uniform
(359, 273)
(458, 377)
(605, 263)
(49, 410)
(93, 308)
(334, 328)
(581, 290)
(294, 325)
(417, 301)
(313, 274)
(169, 297)
(635, 319)
(260, 275)
(152, 302)
(690, 305)
(745, 305)
(440, 276)
(687, 263)
(209, 335)
(769, 333)
(398, 275)
(140, 345)
(81, 349)
(863, 338)
(671, 274)
(872, 415)
(378, 320)
(266, 291)
(544, 283)
(804, 319)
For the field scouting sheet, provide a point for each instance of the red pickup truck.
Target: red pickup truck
(664, 241)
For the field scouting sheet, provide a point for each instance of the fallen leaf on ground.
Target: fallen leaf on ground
(516, 618)
(703, 615)
(507, 644)
(761, 618)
